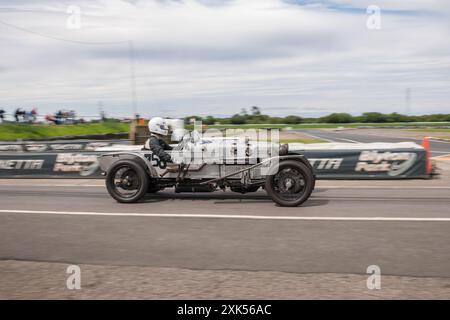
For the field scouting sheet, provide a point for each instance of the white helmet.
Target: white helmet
(158, 125)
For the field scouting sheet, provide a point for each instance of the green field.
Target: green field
(14, 131)
(433, 130)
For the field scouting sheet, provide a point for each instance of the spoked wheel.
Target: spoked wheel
(291, 185)
(127, 181)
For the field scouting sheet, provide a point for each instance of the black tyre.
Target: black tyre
(127, 181)
(291, 185)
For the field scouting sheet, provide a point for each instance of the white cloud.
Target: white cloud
(213, 57)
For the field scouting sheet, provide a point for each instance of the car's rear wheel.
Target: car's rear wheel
(291, 185)
(127, 181)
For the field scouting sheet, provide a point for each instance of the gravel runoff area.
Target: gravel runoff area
(41, 280)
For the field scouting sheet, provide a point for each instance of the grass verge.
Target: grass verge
(433, 130)
(14, 131)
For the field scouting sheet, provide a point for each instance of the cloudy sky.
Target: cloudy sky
(212, 57)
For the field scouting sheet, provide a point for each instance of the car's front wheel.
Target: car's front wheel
(291, 185)
(127, 181)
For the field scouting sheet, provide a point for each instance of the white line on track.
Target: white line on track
(384, 187)
(52, 185)
(229, 216)
(318, 186)
(348, 140)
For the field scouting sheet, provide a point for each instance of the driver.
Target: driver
(158, 129)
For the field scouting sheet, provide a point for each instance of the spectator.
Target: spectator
(51, 118)
(26, 116)
(16, 114)
(58, 117)
(34, 114)
(19, 113)
(72, 117)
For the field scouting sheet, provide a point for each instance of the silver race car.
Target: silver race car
(210, 164)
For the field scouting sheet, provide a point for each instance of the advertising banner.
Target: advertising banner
(57, 146)
(368, 164)
(328, 164)
(56, 165)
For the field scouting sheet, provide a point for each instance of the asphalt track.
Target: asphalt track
(437, 148)
(403, 227)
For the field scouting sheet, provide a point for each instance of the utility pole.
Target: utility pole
(100, 111)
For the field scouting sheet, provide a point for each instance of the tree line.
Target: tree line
(254, 116)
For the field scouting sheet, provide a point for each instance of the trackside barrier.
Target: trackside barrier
(330, 161)
(53, 159)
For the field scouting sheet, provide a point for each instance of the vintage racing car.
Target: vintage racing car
(209, 164)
